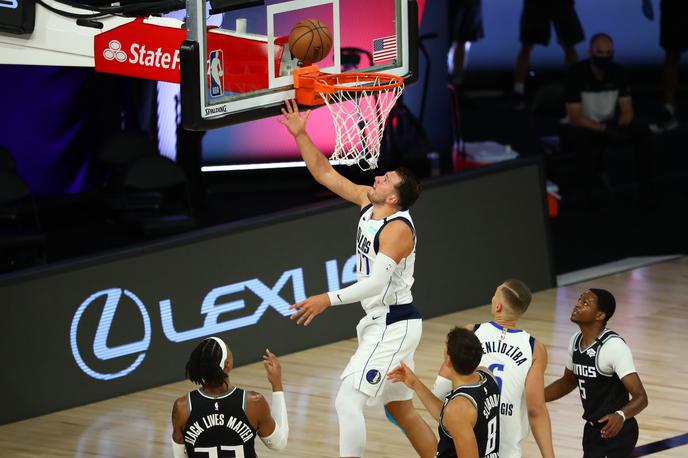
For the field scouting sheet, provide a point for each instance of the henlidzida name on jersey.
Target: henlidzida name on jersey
(509, 350)
(217, 419)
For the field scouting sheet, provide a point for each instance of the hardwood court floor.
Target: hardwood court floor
(652, 316)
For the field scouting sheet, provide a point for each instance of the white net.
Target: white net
(359, 119)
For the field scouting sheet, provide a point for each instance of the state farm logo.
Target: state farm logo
(114, 52)
(142, 56)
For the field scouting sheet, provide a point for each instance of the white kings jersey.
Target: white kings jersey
(398, 291)
(508, 353)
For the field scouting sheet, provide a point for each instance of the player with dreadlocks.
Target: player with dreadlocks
(219, 417)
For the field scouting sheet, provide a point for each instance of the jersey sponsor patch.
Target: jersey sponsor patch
(373, 376)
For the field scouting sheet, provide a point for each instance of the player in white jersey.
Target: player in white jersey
(391, 328)
(518, 361)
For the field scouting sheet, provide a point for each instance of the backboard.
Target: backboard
(242, 70)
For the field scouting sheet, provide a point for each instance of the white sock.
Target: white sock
(442, 387)
(520, 88)
(671, 108)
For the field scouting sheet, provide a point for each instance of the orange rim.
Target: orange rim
(329, 84)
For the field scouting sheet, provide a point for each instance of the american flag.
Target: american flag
(384, 49)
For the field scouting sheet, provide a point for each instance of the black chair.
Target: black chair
(548, 108)
(22, 241)
(121, 149)
(155, 197)
(6, 160)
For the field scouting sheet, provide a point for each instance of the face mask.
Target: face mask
(603, 63)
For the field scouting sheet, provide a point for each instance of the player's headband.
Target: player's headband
(223, 347)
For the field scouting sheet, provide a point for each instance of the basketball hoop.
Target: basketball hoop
(359, 104)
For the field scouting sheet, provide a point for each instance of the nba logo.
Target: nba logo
(217, 73)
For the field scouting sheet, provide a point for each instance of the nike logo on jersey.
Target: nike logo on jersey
(376, 317)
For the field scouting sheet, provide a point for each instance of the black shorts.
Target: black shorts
(468, 22)
(537, 16)
(619, 446)
(673, 25)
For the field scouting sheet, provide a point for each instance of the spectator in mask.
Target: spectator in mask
(599, 112)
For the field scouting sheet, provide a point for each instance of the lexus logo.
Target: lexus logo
(287, 289)
(100, 347)
(114, 52)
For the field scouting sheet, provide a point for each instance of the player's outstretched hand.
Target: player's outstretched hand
(273, 370)
(403, 374)
(295, 123)
(614, 424)
(307, 310)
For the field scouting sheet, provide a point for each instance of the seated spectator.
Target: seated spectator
(599, 113)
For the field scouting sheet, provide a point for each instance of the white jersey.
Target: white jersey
(391, 329)
(508, 353)
(367, 245)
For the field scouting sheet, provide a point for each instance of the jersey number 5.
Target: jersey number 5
(213, 451)
(581, 382)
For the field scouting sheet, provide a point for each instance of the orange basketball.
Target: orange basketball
(310, 41)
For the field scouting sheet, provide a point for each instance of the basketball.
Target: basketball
(310, 41)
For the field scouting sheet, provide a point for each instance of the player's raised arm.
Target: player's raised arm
(317, 164)
(273, 424)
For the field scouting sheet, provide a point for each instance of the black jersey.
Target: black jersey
(600, 393)
(218, 427)
(485, 397)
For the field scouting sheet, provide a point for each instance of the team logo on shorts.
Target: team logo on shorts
(373, 376)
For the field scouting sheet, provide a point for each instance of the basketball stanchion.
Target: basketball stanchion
(359, 104)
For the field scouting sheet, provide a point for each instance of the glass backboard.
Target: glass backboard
(242, 69)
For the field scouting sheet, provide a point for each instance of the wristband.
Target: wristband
(623, 415)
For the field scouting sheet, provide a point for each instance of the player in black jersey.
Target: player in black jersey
(469, 415)
(220, 420)
(601, 366)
